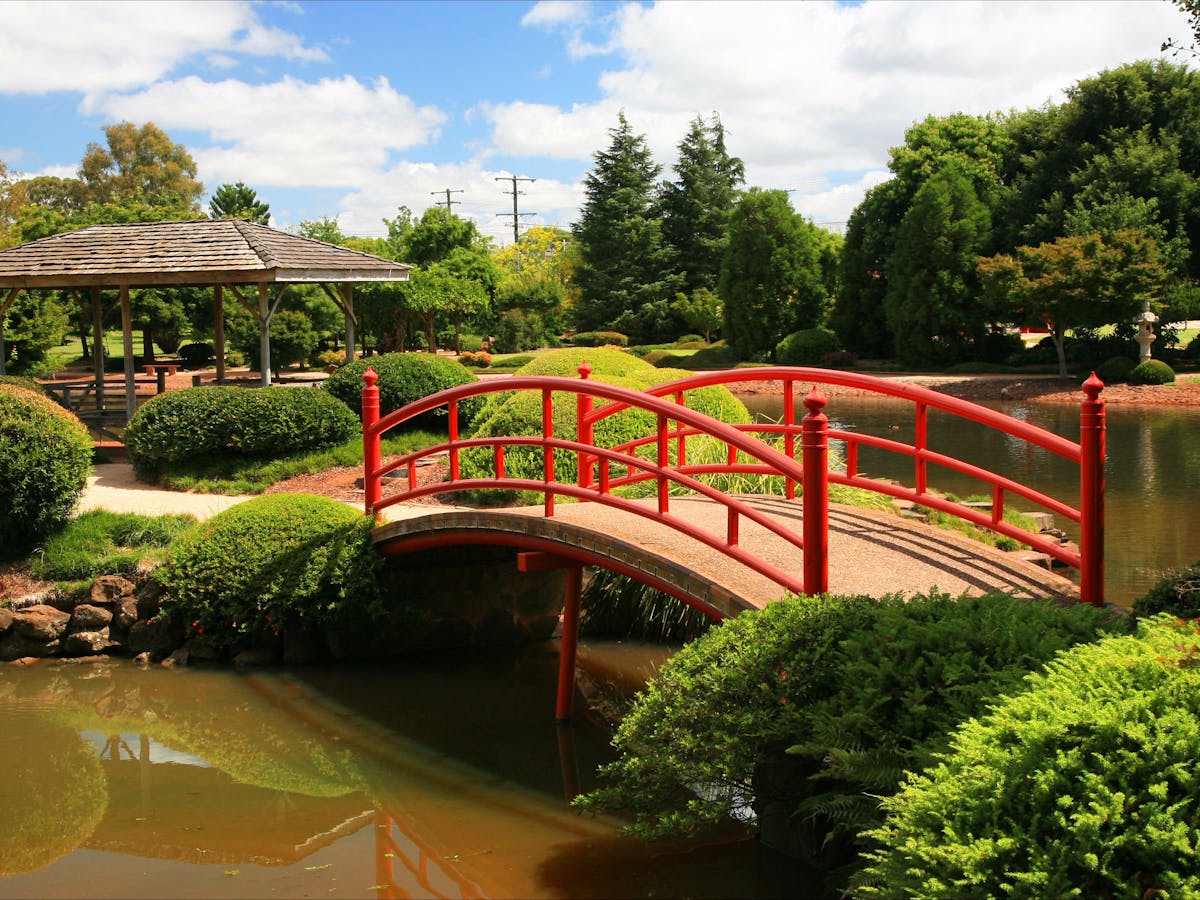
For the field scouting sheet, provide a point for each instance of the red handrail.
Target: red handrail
(812, 472)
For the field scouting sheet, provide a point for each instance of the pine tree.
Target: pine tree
(237, 201)
(696, 206)
(623, 278)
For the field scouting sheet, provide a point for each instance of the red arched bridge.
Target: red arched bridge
(720, 551)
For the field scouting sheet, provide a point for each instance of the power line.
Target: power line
(516, 216)
(448, 192)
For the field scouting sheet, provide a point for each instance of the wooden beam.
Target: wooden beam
(8, 300)
(127, 348)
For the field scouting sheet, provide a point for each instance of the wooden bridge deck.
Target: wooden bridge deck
(869, 552)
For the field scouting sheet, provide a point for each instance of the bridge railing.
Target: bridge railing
(668, 463)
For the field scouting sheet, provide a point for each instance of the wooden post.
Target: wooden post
(347, 292)
(219, 330)
(127, 349)
(98, 346)
(1091, 493)
(815, 449)
(264, 334)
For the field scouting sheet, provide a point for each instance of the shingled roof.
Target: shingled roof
(197, 253)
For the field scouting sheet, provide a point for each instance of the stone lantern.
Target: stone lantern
(1145, 331)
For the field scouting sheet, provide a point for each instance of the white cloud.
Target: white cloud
(553, 13)
(336, 132)
(99, 47)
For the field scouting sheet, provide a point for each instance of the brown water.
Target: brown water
(1152, 498)
(422, 777)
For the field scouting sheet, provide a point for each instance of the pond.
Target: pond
(1152, 472)
(421, 777)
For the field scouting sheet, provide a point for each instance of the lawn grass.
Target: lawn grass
(100, 542)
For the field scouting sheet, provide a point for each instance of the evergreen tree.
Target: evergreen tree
(933, 304)
(236, 201)
(696, 206)
(770, 275)
(858, 316)
(623, 277)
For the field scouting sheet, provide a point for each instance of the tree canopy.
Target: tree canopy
(236, 201)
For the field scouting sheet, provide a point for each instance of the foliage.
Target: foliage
(249, 570)
(1152, 371)
(623, 264)
(1114, 369)
(718, 356)
(617, 606)
(809, 347)
(293, 338)
(599, 339)
(852, 690)
(476, 360)
(100, 542)
(196, 355)
(520, 329)
(221, 420)
(701, 309)
(403, 378)
(35, 322)
(1084, 785)
(23, 381)
(771, 279)
(45, 458)
(140, 161)
(237, 201)
(697, 205)
(1177, 593)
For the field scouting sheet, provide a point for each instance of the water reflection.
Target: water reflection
(122, 782)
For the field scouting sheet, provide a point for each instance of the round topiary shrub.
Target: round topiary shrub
(1152, 371)
(248, 571)
(403, 378)
(1177, 593)
(807, 347)
(1083, 785)
(23, 381)
(45, 458)
(1114, 369)
(267, 422)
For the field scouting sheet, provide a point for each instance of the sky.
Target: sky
(352, 109)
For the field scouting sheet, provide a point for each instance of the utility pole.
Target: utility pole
(448, 192)
(516, 216)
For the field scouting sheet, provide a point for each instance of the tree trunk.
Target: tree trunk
(1059, 337)
(147, 346)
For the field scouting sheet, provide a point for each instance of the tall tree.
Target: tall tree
(858, 313)
(932, 302)
(437, 234)
(624, 270)
(696, 206)
(140, 161)
(237, 201)
(323, 229)
(770, 275)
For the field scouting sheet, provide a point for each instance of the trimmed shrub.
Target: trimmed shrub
(403, 378)
(196, 355)
(24, 381)
(1115, 369)
(245, 573)
(714, 357)
(1152, 371)
(691, 341)
(1177, 593)
(200, 422)
(1084, 785)
(807, 347)
(840, 695)
(476, 360)
(599, 339)
(45, 458)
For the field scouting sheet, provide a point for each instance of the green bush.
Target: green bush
(45, 458)
(1152, 371)
(520, 413)
(23, 381)
(1115, 369)
(245, 573)
(293, 339)
(403, 378)
(600, 339)
(844, 694)
(715, 357)
(691, 341)
(1177, 593)
(808, 347)
(219, 420)
(1084, 785)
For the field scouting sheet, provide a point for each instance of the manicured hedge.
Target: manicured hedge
(599, 339)
(1083, 785)
(808, 347)
(264, 422)
(45, 458)
(819, 705)
(403, 378)
(1152, 371)
(248, 571)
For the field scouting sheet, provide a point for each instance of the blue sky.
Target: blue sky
(351, 109)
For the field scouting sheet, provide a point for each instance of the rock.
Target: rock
(200, 650)
(149, 598)
(257, 656)
(125, 613)
(301, 645)
(180, 657)
(90, 618)
(40, 623)
(157, 636)
(87, 643)
(110, 588)
(143, 658)
(14, 646)
(6, 620)
(24, 661)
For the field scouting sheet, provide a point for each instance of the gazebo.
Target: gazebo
(253, 263)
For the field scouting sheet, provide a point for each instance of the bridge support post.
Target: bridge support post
(543, 562)
(583, 418)
(1091, 493)
(370, 417)
(814, 441)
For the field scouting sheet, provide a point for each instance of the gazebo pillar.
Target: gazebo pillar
(98, 345)
(219, 330)
(347, 292)
(264, 334)
(127, 349)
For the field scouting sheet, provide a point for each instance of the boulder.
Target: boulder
(87, 643)
(125, 613)
(6, 619)
(87, 617)
(40, 623)
(108, 589)
(156, 637)
(14, 646)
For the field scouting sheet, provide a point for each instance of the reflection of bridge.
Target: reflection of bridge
(722, 552)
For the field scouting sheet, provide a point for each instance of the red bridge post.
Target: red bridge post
(814, 443)
(1091, 493)
(370, 416)
(583, 413)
